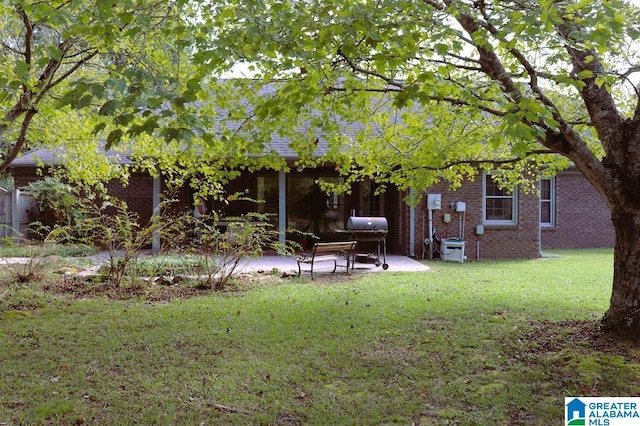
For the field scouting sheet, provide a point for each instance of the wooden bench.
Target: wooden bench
(334, 251)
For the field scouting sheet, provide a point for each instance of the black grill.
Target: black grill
(361, 223)
(366, 229)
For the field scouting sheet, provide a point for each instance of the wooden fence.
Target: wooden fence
(17, 209)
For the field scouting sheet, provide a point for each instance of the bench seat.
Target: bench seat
(327, 252)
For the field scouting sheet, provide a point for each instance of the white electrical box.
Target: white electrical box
(461, 206)
(452, 250)
(479, 229)
(434, 201)
(446, 218)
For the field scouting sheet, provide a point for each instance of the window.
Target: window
(268, 196)
(499, 205)
(309, 209)
(548, 202)
(372, 203)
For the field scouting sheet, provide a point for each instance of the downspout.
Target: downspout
(539, 238)
(282, 207)
(539, 221)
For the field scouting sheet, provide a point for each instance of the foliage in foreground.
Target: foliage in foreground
(476, 343)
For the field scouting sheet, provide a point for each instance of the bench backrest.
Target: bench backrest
(333, 247)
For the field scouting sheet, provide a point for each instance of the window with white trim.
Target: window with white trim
(499, 206)
(548, 202)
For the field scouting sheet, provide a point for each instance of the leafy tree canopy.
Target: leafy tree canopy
(79, 76)
(61, 59)
(434, 87)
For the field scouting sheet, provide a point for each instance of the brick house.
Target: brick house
(580, 217)
(568, 213)
(495, 224)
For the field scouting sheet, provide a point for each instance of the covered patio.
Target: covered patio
(397, 263)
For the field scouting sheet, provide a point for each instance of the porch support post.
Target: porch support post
(282, 206)
(155, 243)
(412, 227)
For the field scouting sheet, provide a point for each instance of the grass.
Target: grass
(483, 343)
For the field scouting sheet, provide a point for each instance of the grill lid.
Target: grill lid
(358, 223)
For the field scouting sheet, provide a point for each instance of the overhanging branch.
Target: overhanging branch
(477, 163)
(390, 81)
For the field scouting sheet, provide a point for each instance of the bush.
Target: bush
(221, 251)
(59, 202)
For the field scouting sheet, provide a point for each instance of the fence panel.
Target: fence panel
(6, 217)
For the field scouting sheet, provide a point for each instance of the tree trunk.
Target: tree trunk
(623, 316)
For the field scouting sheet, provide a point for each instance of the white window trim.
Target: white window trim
(552, 216)
(514, 205)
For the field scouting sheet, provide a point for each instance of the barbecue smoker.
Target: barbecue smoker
(370, 229)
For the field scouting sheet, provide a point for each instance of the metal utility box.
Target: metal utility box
(434, 201)
(452, 250)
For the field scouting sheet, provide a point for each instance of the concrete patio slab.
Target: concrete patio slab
(288, 263)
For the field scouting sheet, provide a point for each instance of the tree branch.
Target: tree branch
(599, 102)
(459, 66)
(479, 163)
(14, 150)
(74, 68)
(28, 37)
(332, 89)
(533, 78)
(11, 49)
(390, 81)
(452, 101)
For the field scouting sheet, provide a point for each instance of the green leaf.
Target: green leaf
(113, 138)
(170, 134)
(193, 85)
(83, 102)
(109, 107)
(585, 74)
(21, 69)
(98, 128)
(123, 119)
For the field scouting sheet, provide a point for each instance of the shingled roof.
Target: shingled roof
(55, 157)
(278, 144)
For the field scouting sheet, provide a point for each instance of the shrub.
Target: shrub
(222, 250)
(59, 202)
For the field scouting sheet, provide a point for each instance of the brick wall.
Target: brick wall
(583, 219)
(497, 242)
(138, 194)
(23, 176)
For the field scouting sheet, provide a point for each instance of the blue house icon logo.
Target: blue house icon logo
(576, 413)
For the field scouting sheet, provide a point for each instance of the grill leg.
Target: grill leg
(385, 266)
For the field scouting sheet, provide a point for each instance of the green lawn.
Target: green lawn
(480, 343)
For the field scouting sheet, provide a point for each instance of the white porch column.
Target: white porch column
(282, 206)
(412, 227)
(155, 244)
